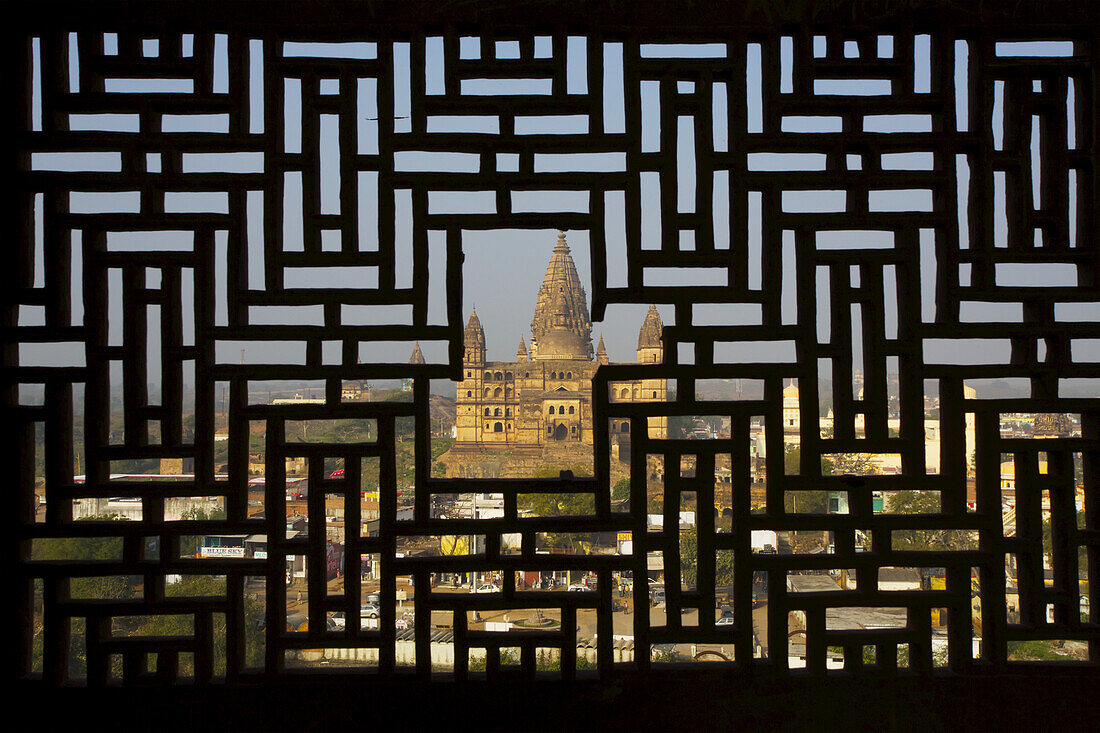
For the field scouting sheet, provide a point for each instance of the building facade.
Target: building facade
(544, 397)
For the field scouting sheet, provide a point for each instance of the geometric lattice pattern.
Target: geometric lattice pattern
(852, 203)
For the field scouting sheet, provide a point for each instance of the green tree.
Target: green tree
(806, 502)
(792, 457)
(111, 587)
(557, 505)
(723, 567)
(1048, 542)
(848, 464)
(920, 502)
(189, 544)
(199, 587)
(621, 490)
(689, 556)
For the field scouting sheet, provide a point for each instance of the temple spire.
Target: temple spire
(473, 339)
(561, 327)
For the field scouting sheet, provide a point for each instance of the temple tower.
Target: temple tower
(561, 327)
(651, 351)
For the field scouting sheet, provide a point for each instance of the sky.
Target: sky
(503, 268)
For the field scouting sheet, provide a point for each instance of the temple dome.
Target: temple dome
(562, 344)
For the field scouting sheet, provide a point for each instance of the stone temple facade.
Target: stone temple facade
(543, 399)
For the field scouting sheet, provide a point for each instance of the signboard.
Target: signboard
(221, 552)
(334, 559)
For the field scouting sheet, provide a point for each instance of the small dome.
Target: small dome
(563, 344)
(791, 390)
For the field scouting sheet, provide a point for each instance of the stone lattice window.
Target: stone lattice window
(893, 207)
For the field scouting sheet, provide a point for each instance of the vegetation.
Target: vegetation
(689, 561)
(1048, 542)
(127, 588)
(792, 462)
(557, 505)
(621, 490)
(1038, 650)
(543, 663)
(918, 502)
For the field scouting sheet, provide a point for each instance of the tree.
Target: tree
(1048, 542)
(792, 462)
(689, 556)
(792, 457)
(689, 560)
(621, 490)
(723, 567)
(189, 544)
(921, 502)
(848, 464)
(806, 502)
(557, 505)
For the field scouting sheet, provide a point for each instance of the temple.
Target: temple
(544, 397)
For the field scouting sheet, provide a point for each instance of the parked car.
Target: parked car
(337, 620)
(725, 621)
(369, 610)
(657, 596)
(487, 588)
(579, 587)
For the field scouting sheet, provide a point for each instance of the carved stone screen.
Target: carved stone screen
(875, 246)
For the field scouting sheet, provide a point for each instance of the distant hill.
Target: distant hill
(442, 411)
